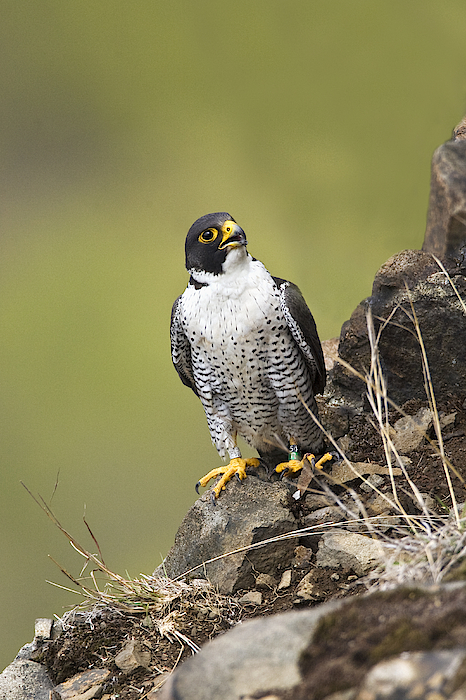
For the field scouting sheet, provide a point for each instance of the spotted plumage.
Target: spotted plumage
(246, 343)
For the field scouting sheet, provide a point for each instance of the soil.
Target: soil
(93, 637)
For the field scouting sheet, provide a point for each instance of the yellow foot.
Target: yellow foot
(295, 465)
(237, 466)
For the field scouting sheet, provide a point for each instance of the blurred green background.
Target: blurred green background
(312, 123)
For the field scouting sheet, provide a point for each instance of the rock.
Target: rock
(334, 415)
(447, 420)
(428, 674)
(302, 557)
(349, 550)
(43, 628)
(459, 694)
(83, 685)
(459, 132)
(427, 501)
(409, 431)
(265, 581)
(373, 481)
(154, 694)
(246, 513)
(345, 444)
(314, 501)
(305, 588)
(414, 277)
(446, 221)
(258, 656)
(343, 472)
(330, 350)
(359, 649)
(25, 680)
(93, 692)
(251, 598)
(131, 657)
(330, 514)
(378, 504)
(403, 633)
(285, 581)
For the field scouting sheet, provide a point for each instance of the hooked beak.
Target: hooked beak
(233, 236)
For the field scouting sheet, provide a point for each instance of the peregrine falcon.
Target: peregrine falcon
(247, 345)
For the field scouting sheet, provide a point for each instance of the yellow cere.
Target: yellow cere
(227, 229)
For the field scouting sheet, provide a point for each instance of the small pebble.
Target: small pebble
(43, 628)
(285, 581)
(265, 581)
(305, 589)
(131, 656)
(251, 598)
(372, 480)
(302, 557)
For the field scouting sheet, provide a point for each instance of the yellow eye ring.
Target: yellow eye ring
(208, 235)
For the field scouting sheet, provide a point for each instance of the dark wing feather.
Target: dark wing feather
(181, 350)
(303, 329)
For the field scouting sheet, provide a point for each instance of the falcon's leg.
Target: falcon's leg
(237, 466)
(295, 464)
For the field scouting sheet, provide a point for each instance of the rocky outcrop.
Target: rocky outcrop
(446, 221)
(412, 285)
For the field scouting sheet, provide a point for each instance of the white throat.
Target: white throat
(237, 264)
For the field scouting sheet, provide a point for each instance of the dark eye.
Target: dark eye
(208, 236)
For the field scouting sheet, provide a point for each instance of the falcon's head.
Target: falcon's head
(210, 240)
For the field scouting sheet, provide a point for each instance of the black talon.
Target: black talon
(197, 487)
(284, 473)
(213, 500)
(237, 477)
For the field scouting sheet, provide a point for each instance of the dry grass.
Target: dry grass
(426, 548)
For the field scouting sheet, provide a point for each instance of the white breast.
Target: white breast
(231, 308)
(249, 372)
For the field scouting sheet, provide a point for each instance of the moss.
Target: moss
(403, 636)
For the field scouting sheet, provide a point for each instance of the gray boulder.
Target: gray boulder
(254, 657)
(411, 280)
(245, 513)
(339, 548)
(25, 680)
